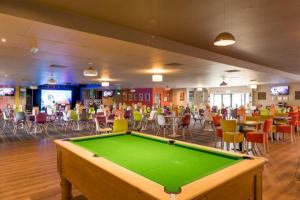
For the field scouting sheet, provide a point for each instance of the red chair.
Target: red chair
(185, 123)
(217, 127)
(260, 137)
(41, 121)
(288, 128)
(101, 120)
(110, 119)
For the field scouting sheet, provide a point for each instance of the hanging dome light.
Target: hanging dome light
(90, 71)
(51, 81)
(224, 39)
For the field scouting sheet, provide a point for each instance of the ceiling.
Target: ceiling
(267, 31)
(124, 63)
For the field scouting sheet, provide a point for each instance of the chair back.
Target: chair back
(228, 125)
(294, 120)
(268, 125)
(20, 116)
(5, 117)
(186, 120)
(84, 116)
(201, 112)
(252, 118)
(120, 125)
(111, 117)
(290, 114)
(66, 115)
(97, 124)
(265, 117)
(264, 111)
(148, 109)
(161, 121)
(101, 119)
(100, 113)
(74, 115)
(152, 114)
(41, 118)
(217, 120)
(128, 114)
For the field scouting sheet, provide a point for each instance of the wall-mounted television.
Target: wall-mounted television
(279, 90)
(49, 98)
(108, 93)
(7, 91)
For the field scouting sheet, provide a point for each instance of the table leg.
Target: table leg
(66, 189)
(174, 128)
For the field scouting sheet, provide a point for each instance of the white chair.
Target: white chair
(66, 119)
(161, 123)
(7, 120)
(151, 120)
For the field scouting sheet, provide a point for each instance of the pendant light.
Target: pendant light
(224, 38)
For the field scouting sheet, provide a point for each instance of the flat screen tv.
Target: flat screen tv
(49, 98)
(279, 90)
(108, 93)
(7, 91)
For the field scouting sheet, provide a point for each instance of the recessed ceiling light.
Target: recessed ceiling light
(3, 39)
(157, 77)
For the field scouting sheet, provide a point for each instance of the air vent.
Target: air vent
(173, 64)
(232, 70)
(58, 66)
(253, 80)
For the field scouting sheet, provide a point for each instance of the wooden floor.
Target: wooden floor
(28, 171)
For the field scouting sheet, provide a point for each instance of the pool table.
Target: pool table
(137, 166)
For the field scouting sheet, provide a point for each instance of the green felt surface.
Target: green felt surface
(171, 166)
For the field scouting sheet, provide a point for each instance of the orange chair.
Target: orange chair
(260, 137)
(217, 127)
(288, 128)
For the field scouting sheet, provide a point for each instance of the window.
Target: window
(218, 100)
(227, 100)
(230, 100)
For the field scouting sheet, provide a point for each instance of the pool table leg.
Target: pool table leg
(66, 189)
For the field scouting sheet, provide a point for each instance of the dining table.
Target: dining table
(174, 119)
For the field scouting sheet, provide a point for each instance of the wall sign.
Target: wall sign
(297, 95)
(181, 96)
(262, 95)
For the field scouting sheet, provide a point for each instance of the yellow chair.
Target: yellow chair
(265, 117)
(252, 118)
(120, 125)
(230, 135)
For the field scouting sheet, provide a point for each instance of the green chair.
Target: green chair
(264, 111)
(120, 125)
(74, 117)
(137, 119)
(159, 111)
(148, 109)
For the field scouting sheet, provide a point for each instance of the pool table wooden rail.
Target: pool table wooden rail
(98, 178)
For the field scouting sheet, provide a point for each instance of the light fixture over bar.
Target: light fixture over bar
(105, 84)
(157, 77)
(224, 39)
